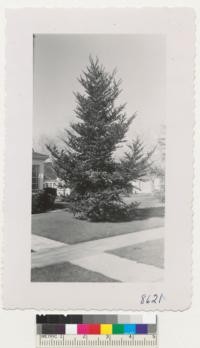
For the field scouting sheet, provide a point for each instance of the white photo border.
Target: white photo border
(178, 25)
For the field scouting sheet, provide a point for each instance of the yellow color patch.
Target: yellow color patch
(106, 329)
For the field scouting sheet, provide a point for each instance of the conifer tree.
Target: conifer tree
(86, 163)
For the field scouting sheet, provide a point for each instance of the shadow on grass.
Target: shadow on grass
(138, 215)
(146, 213)
(61, 205)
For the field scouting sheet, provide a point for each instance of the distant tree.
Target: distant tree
(86, 162)
(157, 170)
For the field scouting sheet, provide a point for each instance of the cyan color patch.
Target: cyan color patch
(129, 329)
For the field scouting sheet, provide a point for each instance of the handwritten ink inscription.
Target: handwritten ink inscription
(152, 298)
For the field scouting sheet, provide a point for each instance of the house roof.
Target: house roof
(39, 156)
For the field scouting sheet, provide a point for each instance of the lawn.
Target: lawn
(67, 272)
(60, 225)
(150, 252)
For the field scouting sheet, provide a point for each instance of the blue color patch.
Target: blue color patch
(129, 329)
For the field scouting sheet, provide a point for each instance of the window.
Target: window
(35, 177)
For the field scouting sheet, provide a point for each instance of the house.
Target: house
(44, 175)
(149, 184)
(50, 177)
(38, 161)
(51, 180)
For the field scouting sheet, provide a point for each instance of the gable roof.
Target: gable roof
(38, 156)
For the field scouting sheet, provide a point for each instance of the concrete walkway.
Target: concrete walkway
(40, 243)
(120, 269)
(49, 256)
(91, 255)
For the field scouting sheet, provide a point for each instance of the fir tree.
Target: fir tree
(86, 163)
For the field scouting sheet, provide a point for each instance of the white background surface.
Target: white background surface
(176, 329)
(178, 24)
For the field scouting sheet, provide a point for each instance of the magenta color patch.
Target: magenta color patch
(83, 329)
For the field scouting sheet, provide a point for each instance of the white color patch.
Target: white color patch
(71, 329)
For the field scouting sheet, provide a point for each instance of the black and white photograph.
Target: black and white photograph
(98, 158)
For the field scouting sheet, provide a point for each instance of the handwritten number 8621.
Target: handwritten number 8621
(155, 298)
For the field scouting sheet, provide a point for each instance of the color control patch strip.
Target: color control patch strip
(94, 325)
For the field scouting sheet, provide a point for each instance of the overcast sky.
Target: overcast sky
(60, 59)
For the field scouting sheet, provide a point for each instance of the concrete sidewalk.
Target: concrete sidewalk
(41, 243)
(120, 269)
(49, 255)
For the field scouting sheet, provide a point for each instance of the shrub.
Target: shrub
(42, 201)
(51, 190)
(37, 205)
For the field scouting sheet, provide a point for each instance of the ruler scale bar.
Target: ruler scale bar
(120, 341)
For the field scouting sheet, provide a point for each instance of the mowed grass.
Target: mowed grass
(150, 252)
(67, 272)
(62, 226)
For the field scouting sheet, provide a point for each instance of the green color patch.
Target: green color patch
(118, 329)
